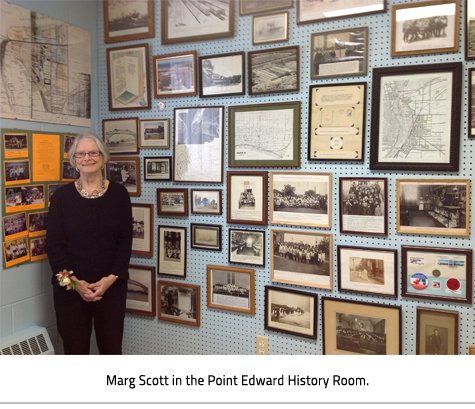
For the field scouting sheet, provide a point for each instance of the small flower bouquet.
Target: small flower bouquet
(64, 280)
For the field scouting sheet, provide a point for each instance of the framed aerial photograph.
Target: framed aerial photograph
(471, 100)
(291, 311)
(231, 289)
(258, 6)
(38, 249)
(273, 71)
(433, 206)
(222, 75)
(198, 145)
(310, 11)
(206, 201)
(403, 97)
(247, 197)
(172, 251)
(185, 24)
(37, 223)
(301, 258)
(247, 247)
(441, 274)
(300, 198)
(205, 236)
(266, 135)
(154, 133)
(341, 53)
(469, 30)
(172, 202)
(158, 168)
(436, 332)
(125, 170)
(128, 20)
(141, 291)
(174, 75)
(367, 270)
(270, 28)
(142, 223)
(128, 78)
(360, 328)
(120, 135)
(427, 27)
(364, 206)
(15, 226)
(69, 173)
(179, 302)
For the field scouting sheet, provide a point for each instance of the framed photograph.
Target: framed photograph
(300, 198)
(198, 145)
(68, 142)
(427, 27)
(341, 53)
(364, 206)
(172, 251)
(273, 71)
(69, 172)
(258, 6)
(247, 198)
(15, 145)
(247, 247)
(172, 202)
(206, 201)
(129, 20)
(291, 311)
(222, 75)
(141, 291)
(403, 100)
(154, 133)
(179, 302)
(437, 332)
(37, 223)
(120, 135)
(367, 270)
(440, 274)
(38, 249)
(470, 30)
(15, 226)
(23, 198)
(16, 171)
(128, 78)
(310, 11)
(433, 206)
(142, 222)
(471, 99)
(174, 75)
(158, 168)
(205, 236)
(360, 328)
(231, 289)
(125, 170)
(266, 135)
(185, 24)
(270, 28)
(301, 258)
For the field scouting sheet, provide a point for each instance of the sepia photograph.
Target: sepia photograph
(14, 226)
(206, 201)
(16, 171)
(247, 247)
(174, 74)
(154, 133)
(172, 251)
(206, 236)
(142, 228)
(437, 332)
(158, 168)
(270, 28)
(120, 135)
(172, 202)
(125, 170)
(179, 302)
(141, 291)
(37, 224)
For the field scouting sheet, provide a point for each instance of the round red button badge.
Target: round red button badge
(453, 284)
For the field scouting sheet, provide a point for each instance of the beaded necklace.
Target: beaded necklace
(95, 194)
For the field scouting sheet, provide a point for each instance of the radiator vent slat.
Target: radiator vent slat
(31, 341)
(16, 349)
(43, 343)
(34, 346)
(7, 351)
(25, 348)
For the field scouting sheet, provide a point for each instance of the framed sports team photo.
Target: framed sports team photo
(206, 201)
(179, 302)
(142, 223)
(125, 170)
(205, 236)
(471, 100)
(437, 332)
(157, 168)
(172, 251)
(141, 291)
(270, 28)
(258, 6)
(247, 247)
(120, 135)
(432, 273)
(172, 202)
(154, 133)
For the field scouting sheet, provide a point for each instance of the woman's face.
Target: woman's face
(88, 164)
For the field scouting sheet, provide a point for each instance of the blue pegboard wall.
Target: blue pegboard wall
(224, 332)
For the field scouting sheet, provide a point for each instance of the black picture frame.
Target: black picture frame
(157, 168)
(236, 237)
(205, 236)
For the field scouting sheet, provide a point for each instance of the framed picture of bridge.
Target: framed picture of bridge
(141, 291)
(120, 135)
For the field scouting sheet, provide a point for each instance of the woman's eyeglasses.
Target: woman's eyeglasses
(92, 154)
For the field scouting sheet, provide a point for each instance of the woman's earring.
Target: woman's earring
(77, 170)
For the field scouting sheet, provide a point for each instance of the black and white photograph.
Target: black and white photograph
(16, 142)
(437, 332)
(14, 226)
(68, 141)
(69, 172)
(141, 290)
(154, 133)
(121, 135)
(37, 223)
(258, 6)
(174, 74)
(206, 201)
(179, 303)
(142, 229)
(270, 28)
(172, 202)
(17, 197)
(471, 81)
(205, 236)
(124, 170)
(38, 249)
(158, 168)
(247, 247)
(172, 251)
(16, 171)
(172, 242)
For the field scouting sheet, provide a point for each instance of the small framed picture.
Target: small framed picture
(68, 142)
(470, 34)
(16, 171)
(364, 206)
(440, 274)
(158, 168)
(179, 302)
(367, 270)
(142, 222)
(433, 206)
(172, 202)
(125, 170)
(69, 173)
(141, 291)
(154, 133)
(37, 223)
(205, 236)
(291, 311)
(258, 6)
(437, 332)
(38, 249)
(172, 251)
(270, 28)
(301, 258)
(471, 97)
(360, 328)
(231, 289)
(16, 145)
(247, 247)
(427, 27)
(15, 226)
(206, 201)
(120, 135)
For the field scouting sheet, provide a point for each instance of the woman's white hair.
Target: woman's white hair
(92, 137)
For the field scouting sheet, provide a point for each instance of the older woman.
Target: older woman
(90, 234)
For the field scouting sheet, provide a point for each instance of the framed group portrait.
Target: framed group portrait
(179, 302)
(172, 202)
(247, 247)
(158, 168)
(172, 251)
(120, 135)
(437, 332)
(16, 171)
(142, 223)
(205, 236)
(141, 291)
(16, 225)
(270, 28)
(125, 170)
(154, 133)
(222, 75)
(206, 201)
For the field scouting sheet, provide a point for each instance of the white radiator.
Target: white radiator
(32, 341)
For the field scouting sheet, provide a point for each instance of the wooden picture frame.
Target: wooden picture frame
(205, 236)
(256, 130)
(273, 71)
(231, 289)
(433, 273)
(471, 100)
(172, 202)
(206, 201)
(183, 309)
(157, 168)
(172, 251)
(270, 28)
(142, 222)
(301, 306)
(247, 197)
(114, 171)
(141, 291)
(366, 270)
(247, 247)
(128, 21)
(301, 257)
(427, 27)
(469, 30)
(128, 78)
(399, 148)
(437, 332)
(120, 135)
(154, 133)
(247, 7)
(442, 206)
(344, 321)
